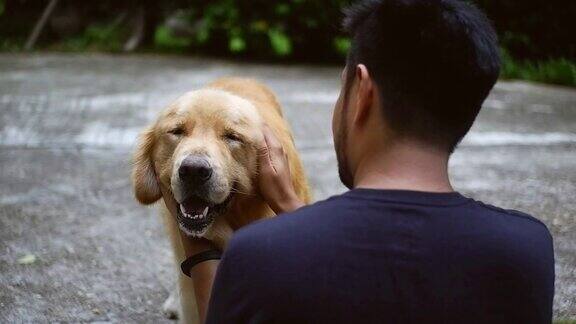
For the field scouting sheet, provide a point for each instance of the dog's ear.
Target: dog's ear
(144, 181)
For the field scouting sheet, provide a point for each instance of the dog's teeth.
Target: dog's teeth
(182, 210)
(205, 212)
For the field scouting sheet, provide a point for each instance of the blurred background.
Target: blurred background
(80, 79)
(538, 37)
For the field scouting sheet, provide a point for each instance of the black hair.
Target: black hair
(434, 63)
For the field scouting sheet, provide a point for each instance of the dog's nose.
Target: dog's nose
(195, 170)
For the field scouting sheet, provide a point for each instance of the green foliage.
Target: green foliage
(107, 37)
(534, 29)
(342, 45)
(538, 36)
(554, 71)
(280, 42)
(236, 44)
(10, 45)
(165, 41)
(288, 29)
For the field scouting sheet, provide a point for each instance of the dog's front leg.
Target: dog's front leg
(182, 300)
(171, 307)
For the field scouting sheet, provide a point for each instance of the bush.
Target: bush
(99, 37)
(537, 35)
(296, 30)
(554, 71)
(534, 29)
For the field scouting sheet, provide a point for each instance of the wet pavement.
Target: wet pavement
(76, 247)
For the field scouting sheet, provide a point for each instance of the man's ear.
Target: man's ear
(364, 94)
(144, 181)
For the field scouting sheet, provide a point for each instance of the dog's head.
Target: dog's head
(203, 148)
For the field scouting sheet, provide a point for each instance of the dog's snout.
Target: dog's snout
(195, 170)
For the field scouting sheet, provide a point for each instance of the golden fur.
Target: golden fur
(227, 105)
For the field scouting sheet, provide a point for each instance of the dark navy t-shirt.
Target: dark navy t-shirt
(387, 256)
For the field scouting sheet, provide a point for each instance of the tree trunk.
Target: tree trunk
(31, 41)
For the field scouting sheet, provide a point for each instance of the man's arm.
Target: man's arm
(275, 184)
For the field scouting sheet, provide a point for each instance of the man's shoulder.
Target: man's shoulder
(506, 228)
(289, 227)
(513, 215)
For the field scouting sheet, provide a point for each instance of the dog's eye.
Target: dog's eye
(232, 137)
(176, 131)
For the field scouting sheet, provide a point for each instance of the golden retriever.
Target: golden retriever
(203, 148)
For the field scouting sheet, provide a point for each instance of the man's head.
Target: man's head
(424, 66)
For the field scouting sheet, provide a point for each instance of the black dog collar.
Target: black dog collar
(187, 265)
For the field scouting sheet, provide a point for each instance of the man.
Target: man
(401, 246)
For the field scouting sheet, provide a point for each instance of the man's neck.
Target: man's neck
(404, 166)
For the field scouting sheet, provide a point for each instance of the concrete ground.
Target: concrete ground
(76, 247)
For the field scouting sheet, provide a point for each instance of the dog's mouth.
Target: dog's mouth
(196, 215)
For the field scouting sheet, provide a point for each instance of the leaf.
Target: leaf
(342, 45)
(236, 44)
(27, 259)
(259, 26)
(164, 38)
(204, 28)
(280, 42)
(282, 9)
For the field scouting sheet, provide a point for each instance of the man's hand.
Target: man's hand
(274, 177)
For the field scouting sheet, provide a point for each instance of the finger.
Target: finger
(275, 151)
(272, 141)
(278, 158)
(265, 158)
(275, 147)
(261, 145)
